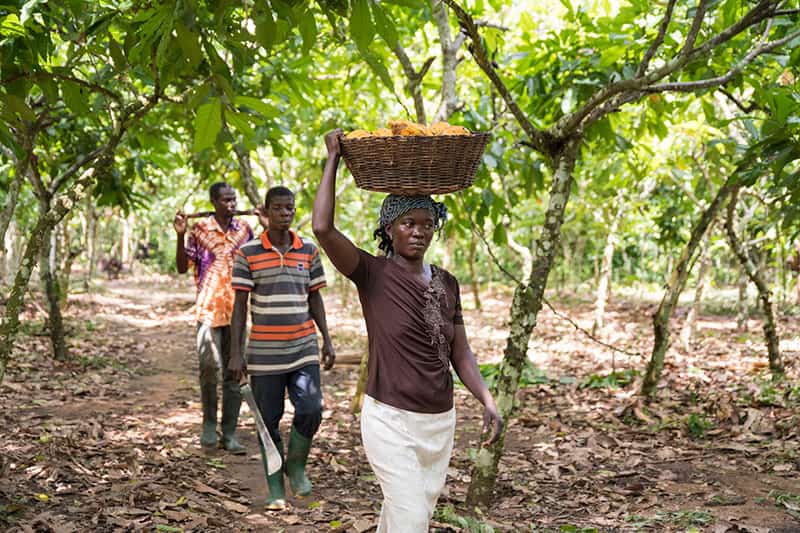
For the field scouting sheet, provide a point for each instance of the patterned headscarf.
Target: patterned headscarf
(394, 206)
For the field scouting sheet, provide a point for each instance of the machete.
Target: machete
(274, 461)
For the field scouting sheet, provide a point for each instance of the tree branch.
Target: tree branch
(612, 106)
(658, 41)
(132, 114)
(763, 10)
(449, 98)
(458, 42)
(587, 333)
(689, 86)
(414, 80)
(35, 178)
(697, 23)
(525, 253)
(753, 106)
(479, 233)
(544, 142)
(63, 77)
(703, 170)
(581, 117)
(487, 24)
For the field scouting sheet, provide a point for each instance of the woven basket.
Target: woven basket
(415, 164)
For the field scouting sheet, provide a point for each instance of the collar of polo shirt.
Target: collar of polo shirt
(296, 242)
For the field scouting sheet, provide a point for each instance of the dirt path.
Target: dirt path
(109, 442)
(155, 401)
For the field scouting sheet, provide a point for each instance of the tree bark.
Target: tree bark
(675, 285)
(246, 175)
(474, 282)
(10, 258)
(91, 242)
(52, 292)
(742, 307)
(48, 274)
(689, 329)
(780, 270)
(361, 385)
(764, 294)
(9, 327)
(525, 308)
(607, 268)
(69, 252)
(127, 240)
(21, 168)
(11, 200)
(575, 265)
(449, 101)
(565, 251)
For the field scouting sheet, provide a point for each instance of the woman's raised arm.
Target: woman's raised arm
(339, 249)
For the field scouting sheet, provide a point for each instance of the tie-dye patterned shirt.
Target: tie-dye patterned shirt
(211, 251)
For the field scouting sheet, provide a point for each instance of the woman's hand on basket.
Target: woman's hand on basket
(332, 140)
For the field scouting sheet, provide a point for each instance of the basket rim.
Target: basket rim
(372, 137)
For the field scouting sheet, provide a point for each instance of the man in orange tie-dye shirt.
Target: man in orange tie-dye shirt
(210, 249)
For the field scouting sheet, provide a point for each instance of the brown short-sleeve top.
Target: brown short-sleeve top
(410, 328)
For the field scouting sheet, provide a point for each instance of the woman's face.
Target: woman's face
(411, 233)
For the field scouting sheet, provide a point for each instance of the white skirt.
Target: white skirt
(409, 453)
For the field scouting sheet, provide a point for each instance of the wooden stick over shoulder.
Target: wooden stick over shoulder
(203, 214)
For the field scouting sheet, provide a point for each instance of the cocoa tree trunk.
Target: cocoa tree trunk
(742, 307)
(474, 282)
(575, 265)
(675, 285)
(764, 294)
(246, 175)
(689, 329)
(126, 244)
(52, 292)
(780, 270)
(11, 254)
(361, 385)
(607, 268)
(11, 201)
(449, 101)
(91, 242)
(525, 308)
(9, 327)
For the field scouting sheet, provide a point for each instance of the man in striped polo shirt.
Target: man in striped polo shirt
(284, 275)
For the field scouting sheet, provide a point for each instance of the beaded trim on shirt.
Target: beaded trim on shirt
(432, 311)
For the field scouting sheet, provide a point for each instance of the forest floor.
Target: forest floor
(109, 440)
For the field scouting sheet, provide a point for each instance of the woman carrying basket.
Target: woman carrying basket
(415, 330)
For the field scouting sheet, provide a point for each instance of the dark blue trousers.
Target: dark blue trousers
(305, 393)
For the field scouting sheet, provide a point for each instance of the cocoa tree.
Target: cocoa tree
(726, 42)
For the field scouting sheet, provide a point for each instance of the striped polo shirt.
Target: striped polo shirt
(283, 335)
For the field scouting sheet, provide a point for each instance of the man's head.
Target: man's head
(223, 198)
(279, 204)
(407, 223)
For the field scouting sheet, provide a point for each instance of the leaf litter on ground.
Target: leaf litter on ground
(108, 440)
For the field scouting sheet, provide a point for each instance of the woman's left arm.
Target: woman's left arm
(467, 369)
